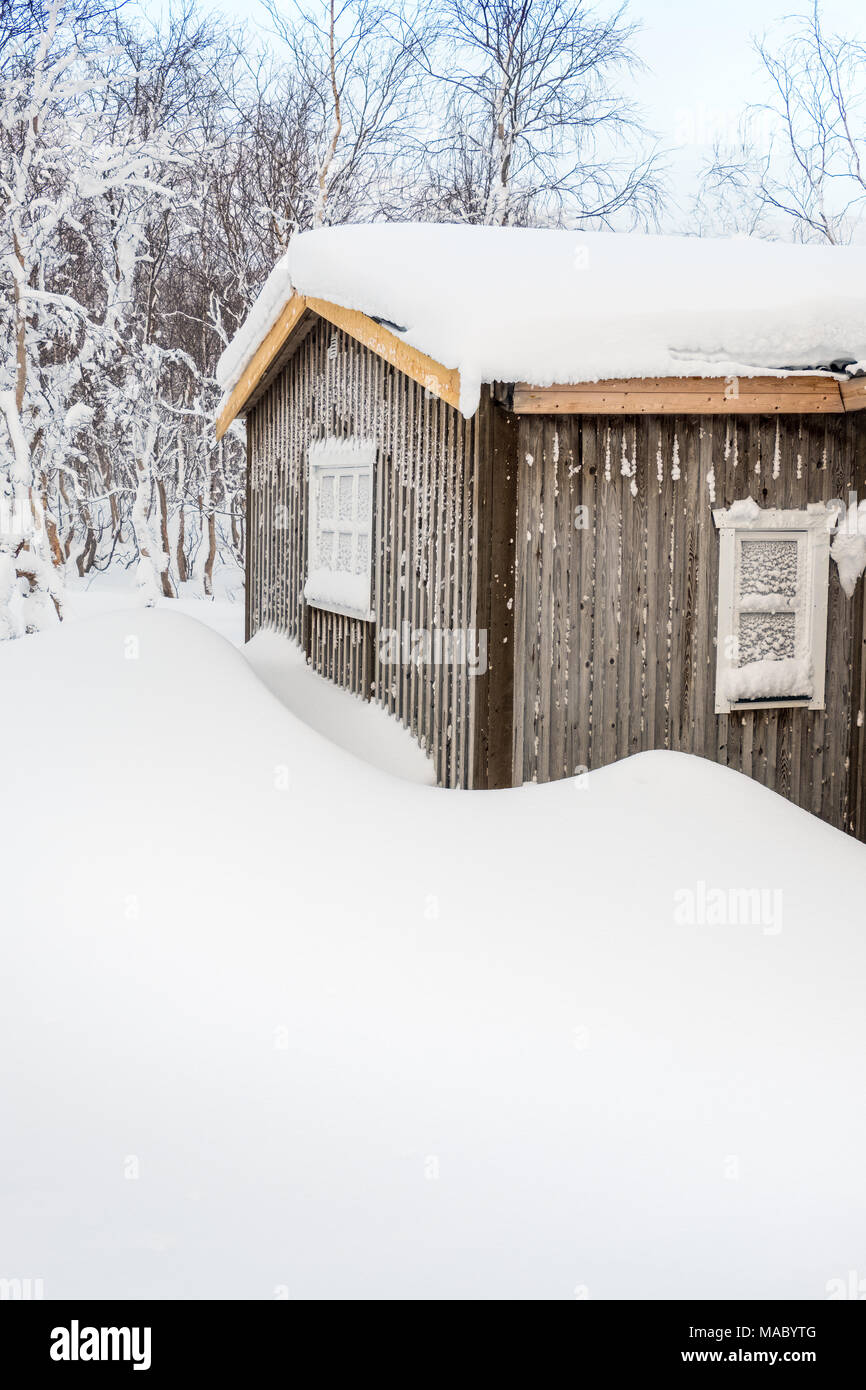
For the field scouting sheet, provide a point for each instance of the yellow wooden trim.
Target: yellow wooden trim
(259, 363)
(685, 396)
(441, 381)
(854, 393)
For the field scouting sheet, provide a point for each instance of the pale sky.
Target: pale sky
(701, 67)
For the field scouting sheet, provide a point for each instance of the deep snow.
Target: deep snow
(363, 1038)
(356, 725)
(545, 306)
(351, 723)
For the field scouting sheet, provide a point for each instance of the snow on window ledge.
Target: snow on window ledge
(341, 593)
(747, 515)
(789, 678)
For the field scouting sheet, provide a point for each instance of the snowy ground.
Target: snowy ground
(351, 723)
(275, 1022)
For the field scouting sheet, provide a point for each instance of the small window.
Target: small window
(772, 629)
(340, 516)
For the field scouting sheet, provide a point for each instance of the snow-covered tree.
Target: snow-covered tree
(113, 326)
(47, 161)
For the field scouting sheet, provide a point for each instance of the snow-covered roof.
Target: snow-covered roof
(545, 307)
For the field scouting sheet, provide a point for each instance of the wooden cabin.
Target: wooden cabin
(539, 572)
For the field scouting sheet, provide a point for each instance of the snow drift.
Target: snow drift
(274, 1022)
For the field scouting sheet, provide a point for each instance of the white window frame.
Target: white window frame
(354, 458)
(811, 530)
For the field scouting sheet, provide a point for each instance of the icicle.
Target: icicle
(727, 440)
(824, 459)
(675, 461)
(736, 447)
(607, 455)
(624, 466)
(711, 484)
(660, 467)
(556, 446)
(633, 469)
(799, 465)
(777, 454)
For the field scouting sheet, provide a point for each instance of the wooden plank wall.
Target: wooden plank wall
(615, 624)
(425, 534)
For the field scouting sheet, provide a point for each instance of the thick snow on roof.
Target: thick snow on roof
(516, 304)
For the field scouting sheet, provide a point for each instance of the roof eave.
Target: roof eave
(810, 394)
(442, 382)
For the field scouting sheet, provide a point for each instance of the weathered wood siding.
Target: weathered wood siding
(431, 545)
(615, 624)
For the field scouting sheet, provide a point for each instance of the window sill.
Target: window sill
(743, 706)
(343, 610)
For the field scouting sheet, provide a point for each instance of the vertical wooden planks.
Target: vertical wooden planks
(531, 463)
(422, 545)
(637, 658)
(634, 586)
(607, 594)
(856, 809)
(611, 627)
(583, 448)
(491, 691)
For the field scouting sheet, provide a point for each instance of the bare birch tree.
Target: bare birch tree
(804, 172)
(535, 128)
(355, 75)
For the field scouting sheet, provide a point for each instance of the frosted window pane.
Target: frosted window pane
(326, 497)
(766, 637)
(362, 556)
(326, 549)
(345, 494)
(340, 504)
(768, 567)
(344, 552)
